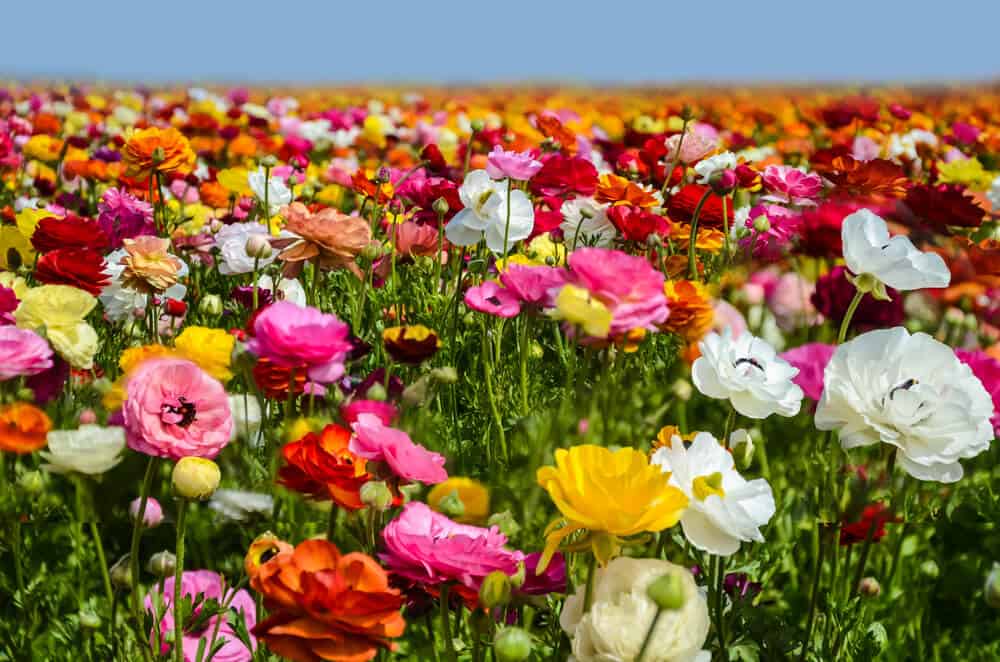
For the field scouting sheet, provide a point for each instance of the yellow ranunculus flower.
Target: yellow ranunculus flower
(15, 249)
(576, 306)
(611, 494)
(965, 171)
(12, 281)
(59, 312)
(42, 147)
(133, 356)
(235, 180)
(211, 349)
(473, 494)
(28, 218)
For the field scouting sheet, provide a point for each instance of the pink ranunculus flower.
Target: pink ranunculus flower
(811, 360)
(987, 370)
(533, 285)
(151, 517)
(289, 336)
(428, 548)
(209, 585)
(790, 301)
(628, 285)
(791, 186)
(373, 440)
(728, 316)
(782, 226)
(22, 353)
(517, 165)
(174, 409)
(123, 216)
(385, 411)
(695, 147)
(493, 299)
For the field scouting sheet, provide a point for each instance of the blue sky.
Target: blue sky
(507, 40)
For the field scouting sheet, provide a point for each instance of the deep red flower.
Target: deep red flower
(636, 224)
(819, 229)
(845, 111)
(561, 176)
(70, 232)
(682, 205)
(874, 517)
(833, 296)
(944, 205)
(78, 267)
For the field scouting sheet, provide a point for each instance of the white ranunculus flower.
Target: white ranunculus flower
(724, 509)
(911, 392)
(895, 261)
(289, 289)
(231, 240)
(994, 194)
(246, 417)
(238, 505)
(714, 164)
(90, 449)
(621, 613)
(747, 372)
(586, 223)
(486, 213)
(278, 193)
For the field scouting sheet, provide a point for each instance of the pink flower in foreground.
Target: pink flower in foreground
(385, 411)
(811, 360)
(123, 216)
(533, 285)
(209, 585)
(772, 243)
(289, 336)
(428, 548)
(175, 409)
(373, 440)
(492, 299)
(22, 353)
(791, 186)
(628, 285)
(517, 165)
(987, 370)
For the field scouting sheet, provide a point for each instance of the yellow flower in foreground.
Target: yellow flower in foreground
(611, 494)
(59, 311)
(473, 495)
(235, 181)
(211, 349)
(576, 306)
(27, 220)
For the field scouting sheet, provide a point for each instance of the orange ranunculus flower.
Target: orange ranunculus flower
(149, 267)
(243, 146)
(274, 381)
(321, 466)
(553, 129)
(620, 191)
(214, 194)
(691, 312)
(334, 240)
(323, 605)
(709, 239)
(162, 150)
(23, 428)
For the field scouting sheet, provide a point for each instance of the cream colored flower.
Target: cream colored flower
(89, 450)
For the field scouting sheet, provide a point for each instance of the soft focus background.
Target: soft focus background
(448, 41)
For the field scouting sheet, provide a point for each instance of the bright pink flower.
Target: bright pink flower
(760, 285)
(385, 411)
(987, 370)
(517, 165)
(123, 216)
(790, 301)
(290, 336)
(791, 186)
(491, 298)
(811, 360)
(628, 285)
(209, 585)
(373, 440)
(771, 244)
(533, 285)
(428, 548)
(728, 316)
(22, 353)
(151, 517)
(174, 409)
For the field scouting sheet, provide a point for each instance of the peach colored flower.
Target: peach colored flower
(149, 267)
(329, 237)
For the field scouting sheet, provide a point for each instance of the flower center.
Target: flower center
(493, 300)
(905, 386)
(481, 201)
(751, 363)
(706, 486)
(178, 411)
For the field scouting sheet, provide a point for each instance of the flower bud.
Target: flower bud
(121, 574)
(517, 579)
(376, 392)
(512, 645)
(654, 240)
(269, 161)
(31, 482)
(451, 505)
(741, 444)
(151, 517)
(682, 390)
(495, 590)
(477, 125)
(930, 570)
(440, 206)
(375, 494)
(372, 252)
(211, 305)
(162, 564)
(535, 350)
(195, 478)
(878, 637)
(992, 590)
(87, 417)
(158, 156)
(25, 394)
(762, 224)
(505, 522)
(869, 587)
(416, 393)
(444, 375)
(258, 246)
(723, 182)
(667, 591)
(88, 619)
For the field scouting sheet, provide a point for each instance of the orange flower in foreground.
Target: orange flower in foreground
(691, 312)
(620, 191)
(23, 428)
(323, 605)
(321, 466)
(149, 268)
(163, 150)
(334, 240)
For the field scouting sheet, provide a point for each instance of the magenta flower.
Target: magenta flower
(175, 409)
(535, 286)
(385, 411)
(517, 165)
(373, 440)
(8, 304)
(811, 360)
(492, 299)
(428, 548)
(791, 186)
(628, 285)
(123, 216)
(22, 353)
(771, 244)
(987, 370)
(290, 336)
(209, 585)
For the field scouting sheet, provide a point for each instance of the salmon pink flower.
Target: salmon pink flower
(290, 336)
(373, 440)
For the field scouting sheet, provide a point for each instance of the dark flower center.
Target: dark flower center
(905, 386)
(178, 411)
(493, 300)
(749, 359)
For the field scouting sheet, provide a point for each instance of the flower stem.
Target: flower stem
(720, 600)
(133, 559)
(449, 645)
(692, 257)
(491, 392)
(673, 163)
(105, 576)
(588, 594)
(810, 619)
(846, 322)
(178, 572)
(649, 636)
(506, 227)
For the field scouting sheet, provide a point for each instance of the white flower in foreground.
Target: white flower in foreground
(586, 223)
(911, 392)
(724, 509)
(895, 261)
(747, 372)
(621, 613)
(238, 505)
(277, 192)
(486, 213)
(90, 450)
(706, 168)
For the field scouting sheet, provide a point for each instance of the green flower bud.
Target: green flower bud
(416, 393)
(451, 505)
(512, 645)
(375, 494)
(162, 564)
(667, 591)
(376, 392)
(121, 574)
(211, 305)
(869, 587)
(25, 394)
(88, 619)
(444, 375)
(371, 252)
(762, 224)
(930, 569)
(477, 125)
(878, 637)
(505, 522)
(495, 590)
(269, 161)
(440, 206)
(535, 350)
(31, 482)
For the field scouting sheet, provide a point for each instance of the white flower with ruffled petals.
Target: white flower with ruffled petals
(89, 450)
(486, 213)
(895, 261)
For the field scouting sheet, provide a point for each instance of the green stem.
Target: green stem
(588, 593)
(133, 560)
(692, 252)
(810, 619)
(846, 322)
(720, 600)
(491, 392)
(506, 227)
(649, 636)
(331, 525)
(449, 644)
(178, 572)
(105, 576)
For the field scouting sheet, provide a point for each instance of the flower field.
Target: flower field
(604, 375)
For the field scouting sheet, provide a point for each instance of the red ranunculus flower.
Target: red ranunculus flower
(563, 175)
(944, 205)
(874, 517)
(321, 466)
(683, 203)
(80, 267)
(636, 224)
(70, 232)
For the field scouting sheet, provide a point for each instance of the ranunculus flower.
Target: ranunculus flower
(22, 353)
(491, 210)
(123, 216)
(585, 223)
(912, 393)
(637, 224)
(60, 310)
(149, 266)
(987, 370)
(328, 238)
(377, 442)
(413, 343)
(691, 312)
(894, 262)
(386, 411)
(789, 185)
(269, 186)
(322, 466)
(723, 507)
(493, 299)
(175, 409)
(77, 267)
(534, 285)
(562, 175)
(501, 164)
(23, 428)
(71, 232)
(211, 349)
(622, 611)
(811, 360)
(689, 147)
(290, 336)
(231, 240)
(833, 296)
(746, 371)
(89, 450)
